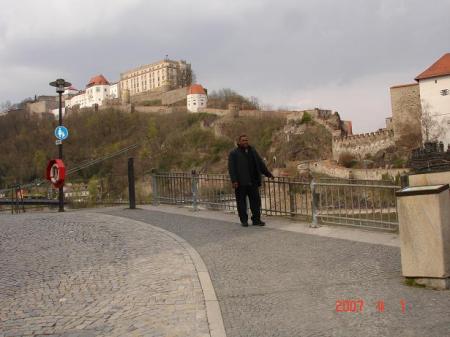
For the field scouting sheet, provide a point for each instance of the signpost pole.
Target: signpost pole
(60, 85)
(60, 156)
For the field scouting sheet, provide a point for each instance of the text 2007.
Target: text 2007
(349, 306)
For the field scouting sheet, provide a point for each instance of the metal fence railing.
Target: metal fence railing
(357, 204)
(344, 203)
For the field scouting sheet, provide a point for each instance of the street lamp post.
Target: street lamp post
(60, 85)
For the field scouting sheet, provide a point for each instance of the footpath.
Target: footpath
(169, 271)
(82, 274)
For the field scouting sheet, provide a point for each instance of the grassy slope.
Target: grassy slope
(167, 142)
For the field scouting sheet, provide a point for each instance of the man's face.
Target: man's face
(243, 142)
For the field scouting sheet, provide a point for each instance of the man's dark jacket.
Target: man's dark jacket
(239, 170)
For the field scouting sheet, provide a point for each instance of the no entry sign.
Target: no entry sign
(56, 172)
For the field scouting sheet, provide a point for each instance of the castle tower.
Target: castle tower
(196, 98)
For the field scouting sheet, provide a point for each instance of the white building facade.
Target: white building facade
(434, 84)
(163, 75)
(114, 90)
(97, 91)
(196, 98)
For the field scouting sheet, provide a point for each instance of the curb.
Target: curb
(213, 312)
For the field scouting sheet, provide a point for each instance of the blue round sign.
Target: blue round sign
(61, 132)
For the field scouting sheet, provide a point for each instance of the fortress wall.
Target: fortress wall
(346, 173)
(362, 144)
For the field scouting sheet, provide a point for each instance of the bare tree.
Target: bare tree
(187, 76)
(4, 106)
(432, 130)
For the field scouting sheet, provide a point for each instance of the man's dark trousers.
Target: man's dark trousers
(252, 191)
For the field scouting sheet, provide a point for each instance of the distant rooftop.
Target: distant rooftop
(440, 68)
(97, 80)
(196, 89)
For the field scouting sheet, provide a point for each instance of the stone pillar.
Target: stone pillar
(424, 220)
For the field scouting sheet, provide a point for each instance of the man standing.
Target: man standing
(245, 167)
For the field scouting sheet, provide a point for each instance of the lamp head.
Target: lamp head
(60, 85)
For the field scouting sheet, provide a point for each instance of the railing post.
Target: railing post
(404, 180)
(314, 206)
(131, 188)
(21, 199)
(12, 200)
(155, 199)
(292, 199)
(194, 190)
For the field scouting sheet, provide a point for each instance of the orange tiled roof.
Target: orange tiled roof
(440, 68)
(97, 80)
(196, 89)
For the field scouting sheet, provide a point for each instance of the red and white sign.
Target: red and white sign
(56, 172)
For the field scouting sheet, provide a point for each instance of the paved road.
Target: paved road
(86, 274)
(277, 283)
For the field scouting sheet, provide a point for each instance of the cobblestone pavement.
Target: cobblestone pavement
(81, 274)
(277, 283)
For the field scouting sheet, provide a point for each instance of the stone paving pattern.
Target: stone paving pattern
(81, 274)
(277, 283)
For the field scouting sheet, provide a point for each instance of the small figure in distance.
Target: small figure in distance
(245, 167)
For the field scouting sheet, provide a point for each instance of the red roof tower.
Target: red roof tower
(97, 80)
(440, 68)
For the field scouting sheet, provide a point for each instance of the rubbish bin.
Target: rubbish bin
(424, 220)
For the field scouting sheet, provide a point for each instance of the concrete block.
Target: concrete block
(424, 222)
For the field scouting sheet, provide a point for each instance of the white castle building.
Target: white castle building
(97, 91)
(434, 84)
(196, 98)
(159, 76)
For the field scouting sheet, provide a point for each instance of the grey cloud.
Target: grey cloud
(265, 48)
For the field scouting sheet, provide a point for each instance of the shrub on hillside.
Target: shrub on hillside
(221, 98)
(306, 118)
(348, 160)
(154, 102)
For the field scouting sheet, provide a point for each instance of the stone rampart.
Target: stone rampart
(129, 108)
(218, 112)
(361, 145)
(166, 97)
(262, 113)
(246, 113)
(173, 96)
(327, 168)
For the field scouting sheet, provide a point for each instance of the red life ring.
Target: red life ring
(56, 172)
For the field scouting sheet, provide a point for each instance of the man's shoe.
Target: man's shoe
(259, 223)
(244, 224)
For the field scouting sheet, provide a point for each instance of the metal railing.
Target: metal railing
(370, 206)
(347, 203)
(20, 198)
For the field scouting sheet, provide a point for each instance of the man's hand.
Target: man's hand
(235, 185)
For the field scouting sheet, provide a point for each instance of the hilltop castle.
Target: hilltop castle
(420, 112)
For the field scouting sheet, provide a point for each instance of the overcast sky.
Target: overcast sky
(340, 55)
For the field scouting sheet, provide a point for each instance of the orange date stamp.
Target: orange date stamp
(357, 306)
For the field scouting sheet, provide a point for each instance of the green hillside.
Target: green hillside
(177, 142)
